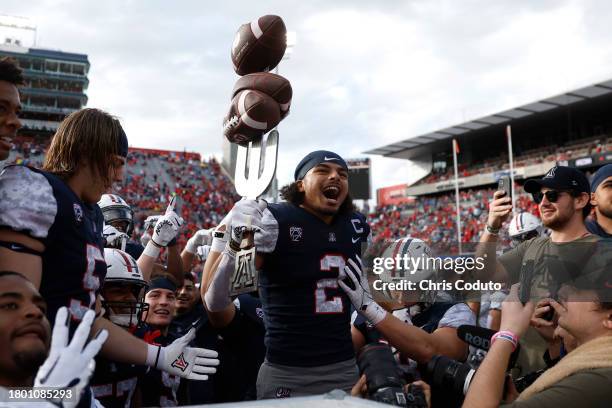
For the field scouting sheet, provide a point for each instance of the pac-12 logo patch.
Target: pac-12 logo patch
(78, 212)
(295, 233)
(180, 363)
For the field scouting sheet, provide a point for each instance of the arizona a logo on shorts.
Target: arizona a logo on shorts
(180, 363)
(295, 233)
(283, 392)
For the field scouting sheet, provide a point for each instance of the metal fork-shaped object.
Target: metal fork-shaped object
(261, 168)
(261, 159)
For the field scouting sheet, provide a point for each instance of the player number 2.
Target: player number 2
(323, 304)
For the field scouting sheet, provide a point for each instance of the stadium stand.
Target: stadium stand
(571, 150)
(206, 193)
(433, 220)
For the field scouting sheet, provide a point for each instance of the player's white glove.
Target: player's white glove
(70, 365)
(148, 223)
(186, 362)
(359, 293)
(201, 237)
(114, 238)
(203, 252)
(247, 215)
(167, 226)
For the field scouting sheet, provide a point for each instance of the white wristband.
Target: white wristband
(151, 250)
(154, 355)
(218, 244)
(374, 313)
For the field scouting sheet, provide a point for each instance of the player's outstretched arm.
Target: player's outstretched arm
(419, 345)
(410, 340)
(176, 359)
(217, 302)
(499, 211)
(216, 277)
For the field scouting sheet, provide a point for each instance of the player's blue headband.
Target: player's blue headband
(122, 143)
(314, 159)
(161, 283)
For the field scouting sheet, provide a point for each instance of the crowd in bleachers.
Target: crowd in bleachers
(28, 151)
(205, 193)
(433, 219)
(571, 150)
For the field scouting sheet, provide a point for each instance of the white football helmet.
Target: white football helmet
(415, 264)
(524, 226)
(114, 208)
(122, 270)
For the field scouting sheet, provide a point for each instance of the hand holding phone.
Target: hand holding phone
(505, 184)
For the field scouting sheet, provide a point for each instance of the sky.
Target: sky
(364, 73)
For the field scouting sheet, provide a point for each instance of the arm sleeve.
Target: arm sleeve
(458, 315)
(513, 261)
(217, 297)
(266, 241)
(27, 202)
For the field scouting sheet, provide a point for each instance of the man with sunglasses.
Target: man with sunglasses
(601, 200)
(563, 198)
(542, 262)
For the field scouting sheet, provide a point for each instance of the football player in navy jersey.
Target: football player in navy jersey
(51, 232)
(10, 104)
(302, 245)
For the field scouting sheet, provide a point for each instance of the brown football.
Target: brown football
(259, 45)
(272, 85)
(251, 115)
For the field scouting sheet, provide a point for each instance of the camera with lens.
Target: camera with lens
(450, 379)
(385, 379)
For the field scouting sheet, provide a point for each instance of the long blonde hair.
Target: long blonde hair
(90, 135)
